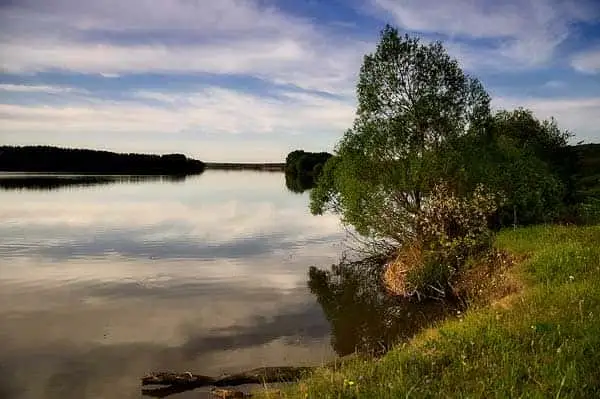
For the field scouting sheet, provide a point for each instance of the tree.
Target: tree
(302, 162)
(414, 103)
(525, 159)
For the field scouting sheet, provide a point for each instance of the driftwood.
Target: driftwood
(180, 382)
(173, 383)
(168, 378)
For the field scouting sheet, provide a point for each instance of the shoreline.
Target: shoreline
(537, 340)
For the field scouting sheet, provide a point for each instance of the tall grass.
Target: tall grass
(543, 342)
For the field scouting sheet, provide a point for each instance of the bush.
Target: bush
(450, 230)
(456, 227)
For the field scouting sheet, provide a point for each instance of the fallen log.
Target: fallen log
(180, 382)
(169, 378)
(173, 383)
(256, 376)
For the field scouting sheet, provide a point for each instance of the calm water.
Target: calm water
(101, 282)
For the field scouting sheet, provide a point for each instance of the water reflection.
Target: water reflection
(100, 284)
(57, 181)
(363, 317)
(299, 183)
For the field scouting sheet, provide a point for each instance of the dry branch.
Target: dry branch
(180, 382)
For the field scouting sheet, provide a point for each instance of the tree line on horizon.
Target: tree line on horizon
(84, 161)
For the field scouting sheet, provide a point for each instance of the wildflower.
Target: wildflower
(348, 383)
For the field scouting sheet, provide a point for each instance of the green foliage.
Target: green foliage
(324, 195)
(457, 227)
(588, 212)
(536, 172)
(587, 176)
(301, 162)
(421, 120)
(524, 158)
(414, 103)
(540, 138)
(451, 230)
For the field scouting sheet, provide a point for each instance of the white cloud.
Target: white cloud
(524, 32)
(170, 16)
(554, 84)
(282, 61)
(212, 109)
(579, 115)
(206, 121)
(435, 16)
(216, 219)
(39, 89)
(195, 217)
(226, 37)
(587, 62)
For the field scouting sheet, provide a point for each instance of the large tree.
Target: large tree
(414, 103)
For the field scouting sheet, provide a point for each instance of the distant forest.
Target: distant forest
(66, 160)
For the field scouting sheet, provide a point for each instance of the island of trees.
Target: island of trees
(303, 168)
(83, 161)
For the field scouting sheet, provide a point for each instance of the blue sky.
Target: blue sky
(250, 80)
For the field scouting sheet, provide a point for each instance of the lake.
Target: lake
(102, 281)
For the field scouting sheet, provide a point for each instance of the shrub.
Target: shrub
(450, 230)
(456, 227)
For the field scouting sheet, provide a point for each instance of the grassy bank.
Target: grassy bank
(543, 341)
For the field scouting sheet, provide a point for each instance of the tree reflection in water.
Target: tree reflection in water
(54, 182)
(363, 316)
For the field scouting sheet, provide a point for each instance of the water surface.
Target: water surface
(102, 281)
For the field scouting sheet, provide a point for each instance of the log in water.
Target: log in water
(180, 382)
(173, 383)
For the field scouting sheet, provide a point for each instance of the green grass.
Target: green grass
(543, 342)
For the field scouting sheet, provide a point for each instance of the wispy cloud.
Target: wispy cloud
(587, 62)
(39, 89)
(523, 32)
(225, 37)
(554, 84)
(214, 109)
(209, 114)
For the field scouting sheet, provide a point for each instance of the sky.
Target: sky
(251, 80)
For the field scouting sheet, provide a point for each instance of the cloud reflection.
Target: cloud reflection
(99, 285)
